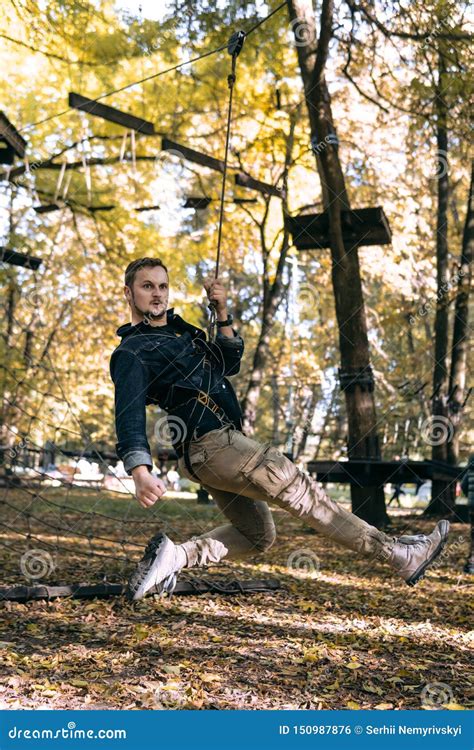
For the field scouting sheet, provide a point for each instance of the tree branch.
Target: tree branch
(53, 56)
(420, 36)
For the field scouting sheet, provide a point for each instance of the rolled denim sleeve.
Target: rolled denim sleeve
(130, 378)
(231, 350)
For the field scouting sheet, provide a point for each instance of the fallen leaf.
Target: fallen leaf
(210, 677)
(172, 669)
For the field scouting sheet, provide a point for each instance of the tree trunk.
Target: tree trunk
(357, 380)
(307, 419)
(272, 296)
(443, 492)
(275, 408)
(250, 401)
(457, 378)
(6, 437)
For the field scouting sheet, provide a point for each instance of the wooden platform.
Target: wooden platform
(11, 142)
(369, 472)
(363, 226)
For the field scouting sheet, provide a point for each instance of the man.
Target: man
(397, 491)
(164, 360)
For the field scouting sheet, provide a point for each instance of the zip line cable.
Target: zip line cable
(264, 20)
(127, 86)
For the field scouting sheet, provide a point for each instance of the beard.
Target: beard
(148, 314)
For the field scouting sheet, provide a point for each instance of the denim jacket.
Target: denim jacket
(163, 365)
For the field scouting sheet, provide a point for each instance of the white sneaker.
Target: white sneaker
(157, 571)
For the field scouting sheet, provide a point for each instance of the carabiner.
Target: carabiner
(236, 42)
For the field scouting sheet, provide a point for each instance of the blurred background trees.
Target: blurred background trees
(399, 82)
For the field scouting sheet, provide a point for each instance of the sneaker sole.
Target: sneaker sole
(443, 527)
(135, 596)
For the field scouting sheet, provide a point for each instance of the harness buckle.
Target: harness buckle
(203, 398)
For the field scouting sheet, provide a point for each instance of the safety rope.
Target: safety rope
(236, 42)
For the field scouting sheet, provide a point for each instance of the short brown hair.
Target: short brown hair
(135, 265)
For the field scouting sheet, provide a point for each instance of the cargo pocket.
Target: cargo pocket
(270, 471)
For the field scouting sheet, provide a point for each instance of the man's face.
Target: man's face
(149, 292)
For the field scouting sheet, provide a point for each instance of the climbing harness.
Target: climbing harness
(191, 407)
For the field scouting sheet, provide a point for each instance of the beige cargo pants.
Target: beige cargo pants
(244, 476)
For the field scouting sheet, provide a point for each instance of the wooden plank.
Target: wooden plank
(245, 181)
(111, 114)
(218, 165)
(47, 208)
(11, 136)
(7, 153)
(93, 209)
(197, 202)
(362, 226)
(191, 155)
(237, 201)
(368, 472)
(19, 259)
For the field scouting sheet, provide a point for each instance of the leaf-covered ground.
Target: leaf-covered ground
(348, 634)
